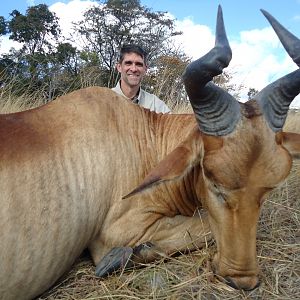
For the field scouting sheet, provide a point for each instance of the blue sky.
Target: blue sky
(258, 57)
(239, 15)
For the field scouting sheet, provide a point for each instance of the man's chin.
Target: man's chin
(134, 83)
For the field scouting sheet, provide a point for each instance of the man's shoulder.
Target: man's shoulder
(152, 100)
(149, 95)
(117, 88)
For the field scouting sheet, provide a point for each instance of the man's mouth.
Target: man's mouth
(133, 75)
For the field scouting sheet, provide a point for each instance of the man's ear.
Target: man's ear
(118, 67)
(291, 141)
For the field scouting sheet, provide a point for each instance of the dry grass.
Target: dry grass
(16, 104)
(9, 102)
(180, 108)
(292, 122)
(189, 276)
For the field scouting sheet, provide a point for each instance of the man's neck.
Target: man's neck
(128, 91)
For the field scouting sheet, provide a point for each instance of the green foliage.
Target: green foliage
(251, 93)
(165, 79)
(35, 29)
(225, 81)
(3, 26)
(66, 56)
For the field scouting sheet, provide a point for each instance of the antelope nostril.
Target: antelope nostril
(257, 284)
(243, 283)
(230, 282)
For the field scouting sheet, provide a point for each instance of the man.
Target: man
(132, 67)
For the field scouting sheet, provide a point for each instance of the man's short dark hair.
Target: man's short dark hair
(132, 48)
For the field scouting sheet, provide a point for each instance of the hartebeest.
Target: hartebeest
(65, 166)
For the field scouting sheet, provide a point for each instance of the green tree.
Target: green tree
(251, 92)
(224, 81)
(117, 22)
(38, 32)
(36, 29)
(165, 79)
(65, 68)
(3, 26)
(67, 57)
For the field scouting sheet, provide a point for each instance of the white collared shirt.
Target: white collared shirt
(146, 100)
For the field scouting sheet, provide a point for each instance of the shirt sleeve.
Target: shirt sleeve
(152, 102)
(160, 106)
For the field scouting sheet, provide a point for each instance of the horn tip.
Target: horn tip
(220, 11)
(265, 13)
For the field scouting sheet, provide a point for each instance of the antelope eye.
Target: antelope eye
(219, 193)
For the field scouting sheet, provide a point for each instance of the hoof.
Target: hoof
(142, 247)
(116, 259)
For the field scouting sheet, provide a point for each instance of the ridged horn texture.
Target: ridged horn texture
(216, 111)
(276, 98)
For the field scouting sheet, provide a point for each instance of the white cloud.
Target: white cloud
(259, 59)
(196, 39)
(296, 18)
(6, 44)
(70, 12)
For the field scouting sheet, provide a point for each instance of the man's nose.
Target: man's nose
(133, 68)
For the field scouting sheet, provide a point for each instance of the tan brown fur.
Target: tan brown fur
(64, 168)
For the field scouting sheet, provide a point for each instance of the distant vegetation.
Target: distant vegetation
(50, 64)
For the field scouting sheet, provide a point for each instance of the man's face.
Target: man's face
(132, 69)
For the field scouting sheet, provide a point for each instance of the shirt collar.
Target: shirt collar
(135, 99)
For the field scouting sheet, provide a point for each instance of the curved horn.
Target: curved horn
(290, 42)
(216, 111)
(276, 98)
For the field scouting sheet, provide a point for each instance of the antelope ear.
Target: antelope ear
(175, 164)
(291, 141)
(178, 162)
